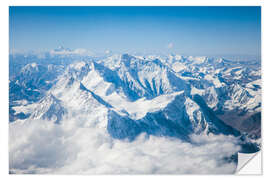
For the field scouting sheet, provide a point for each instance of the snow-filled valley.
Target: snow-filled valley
(130, 114)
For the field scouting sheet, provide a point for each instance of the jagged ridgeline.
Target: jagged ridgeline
(126, 95)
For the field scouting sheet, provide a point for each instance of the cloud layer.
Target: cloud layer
(39, 146)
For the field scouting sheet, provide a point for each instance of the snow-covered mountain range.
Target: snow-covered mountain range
(125, 95)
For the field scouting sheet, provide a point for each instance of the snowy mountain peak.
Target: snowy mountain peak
(33, 67)
(49, 108)
(61, 48)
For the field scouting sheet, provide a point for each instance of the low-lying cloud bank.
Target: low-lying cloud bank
(39, 146)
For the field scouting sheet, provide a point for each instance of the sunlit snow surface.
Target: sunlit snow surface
(75, 113)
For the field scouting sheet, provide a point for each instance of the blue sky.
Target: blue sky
(186, 30)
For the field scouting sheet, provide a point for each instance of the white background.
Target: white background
(4, 8)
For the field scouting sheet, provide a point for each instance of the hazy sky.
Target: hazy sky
(186, 30)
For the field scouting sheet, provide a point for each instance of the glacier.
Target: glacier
(128, 100)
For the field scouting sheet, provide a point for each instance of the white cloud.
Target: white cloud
(170, 45)
(39, 146)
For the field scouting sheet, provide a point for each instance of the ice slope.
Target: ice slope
(144, 78)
